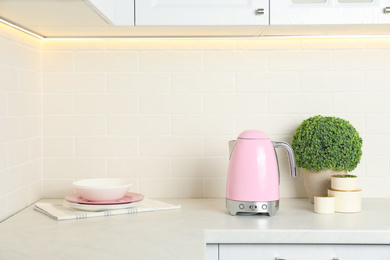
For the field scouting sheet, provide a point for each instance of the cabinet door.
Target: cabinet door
(303, 252)
(202, 12)
(327, 12)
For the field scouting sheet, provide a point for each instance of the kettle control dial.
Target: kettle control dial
(253, 207)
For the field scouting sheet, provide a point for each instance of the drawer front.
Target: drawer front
(303, 252)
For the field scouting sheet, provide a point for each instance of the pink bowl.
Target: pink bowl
(102, 189)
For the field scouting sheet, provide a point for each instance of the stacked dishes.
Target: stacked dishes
(103, 194)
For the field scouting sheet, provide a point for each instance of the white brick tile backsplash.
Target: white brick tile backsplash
(378, 124)
(73, 82)
(106, 146)
(171, 146)
(172, 188)
(74, 168)
(57, 104)
(329, 81)
(301, 103)
(139, 167)
(170, 103)
(239, 103)
(270, 124)
(64, 125)
(202, 82)
(235, 61)
(362, 60)
(361, 102)
(53, 61)
(58, 147)
(106, 61)
(170, 61)
(9, 78)
(199, 167)
(138, 125)
(376, 81)
(267, 82)
(94, 104)
(138, 82)
(202, 125)
(161, 111)
(300, 60)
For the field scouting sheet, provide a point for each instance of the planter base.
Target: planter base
(318, 183)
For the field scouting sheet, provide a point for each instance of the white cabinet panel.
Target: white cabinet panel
(301, 12)
(202, 12)
(303, 252)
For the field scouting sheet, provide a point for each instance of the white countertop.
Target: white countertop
(183, 234)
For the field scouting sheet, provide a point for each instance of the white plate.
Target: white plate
(87, 207)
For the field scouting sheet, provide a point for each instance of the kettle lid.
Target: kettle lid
(253, 134)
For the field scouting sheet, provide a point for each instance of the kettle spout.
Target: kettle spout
(232, 143)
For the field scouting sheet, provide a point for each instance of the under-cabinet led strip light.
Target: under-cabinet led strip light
(21, 29)
(197, 37)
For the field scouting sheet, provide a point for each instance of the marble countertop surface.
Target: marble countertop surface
(184, 233)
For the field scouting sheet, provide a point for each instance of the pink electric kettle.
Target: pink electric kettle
(253, 174)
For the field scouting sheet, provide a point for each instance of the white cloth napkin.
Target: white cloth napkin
(62, 211)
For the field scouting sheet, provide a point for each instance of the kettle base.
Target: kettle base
(254, 207)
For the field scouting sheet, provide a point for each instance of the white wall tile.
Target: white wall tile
(202, 125)
(329, 81)
(64, 125)
(214, 188)
(57, 104)
(361, 102)
(106, 146)
(172, 188)
(171, 146)
(301, 103)
(361, 59)
(57, 61)
(235, 61)
(269, 124)
(58, 147)
(300, 60)
(161, 112)
(139, 167)
(138, 125)
(267, 82)
(73, 82)
(106, 61)
(138, 82)
(199, 167)
(95, 104)
(170, 61)
(74, 168)
(235, 103)
(200, 82)
(170, 103)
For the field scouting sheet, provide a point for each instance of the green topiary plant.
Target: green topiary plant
(322, 143)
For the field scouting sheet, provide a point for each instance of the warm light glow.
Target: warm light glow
(265, 37)
(21, 29)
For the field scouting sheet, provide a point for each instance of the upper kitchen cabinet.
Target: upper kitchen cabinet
(203, 17)
(329, 12)
(202, 12)
(321, 17)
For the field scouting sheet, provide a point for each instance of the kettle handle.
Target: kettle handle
(291, 157)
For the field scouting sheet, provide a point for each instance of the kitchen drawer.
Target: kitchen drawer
(303, 252)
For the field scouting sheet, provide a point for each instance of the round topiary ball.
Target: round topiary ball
(322, 143)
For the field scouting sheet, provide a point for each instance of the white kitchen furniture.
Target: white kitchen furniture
(301, 12)
(184, 234)
(201, 12)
